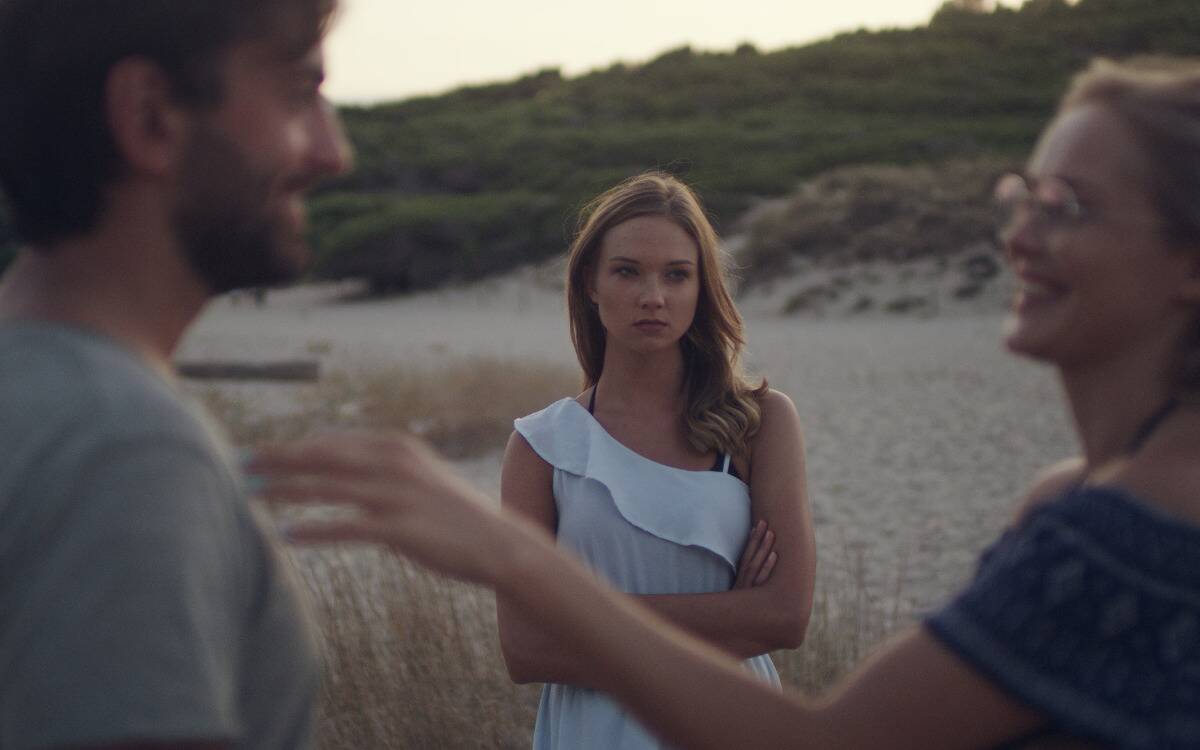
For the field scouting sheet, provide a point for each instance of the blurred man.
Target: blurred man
(153, 153)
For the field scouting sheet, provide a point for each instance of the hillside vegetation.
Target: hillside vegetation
(486, 177)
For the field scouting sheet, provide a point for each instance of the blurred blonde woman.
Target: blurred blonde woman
(1082, 626)
(670, 475)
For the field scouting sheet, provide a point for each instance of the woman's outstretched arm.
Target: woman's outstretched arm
(914, 694)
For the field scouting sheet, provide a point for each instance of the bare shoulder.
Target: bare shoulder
(1050, 482)
(526, 482)
(523, 472)
(778, 411)
(519, 454)
(779, 435)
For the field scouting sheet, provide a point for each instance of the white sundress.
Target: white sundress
(646, 527)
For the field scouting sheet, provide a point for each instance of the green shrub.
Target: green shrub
(740, 125)
(401, 243)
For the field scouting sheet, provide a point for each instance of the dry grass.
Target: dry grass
(464, 408)
(848, 622)
(413, 660)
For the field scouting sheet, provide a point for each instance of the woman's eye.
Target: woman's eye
(678, 275)
(625, 271)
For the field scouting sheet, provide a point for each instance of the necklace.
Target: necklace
(1151, 424)
(1140, 437)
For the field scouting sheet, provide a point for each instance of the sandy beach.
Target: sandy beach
(922, 432)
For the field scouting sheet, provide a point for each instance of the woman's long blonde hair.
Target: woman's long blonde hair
(722, 411)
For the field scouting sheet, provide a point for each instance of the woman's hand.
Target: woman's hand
(758, 558)
(407, 499)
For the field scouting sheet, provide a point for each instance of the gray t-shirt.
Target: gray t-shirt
(139, 597)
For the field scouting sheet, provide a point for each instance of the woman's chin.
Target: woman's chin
(1024, 340)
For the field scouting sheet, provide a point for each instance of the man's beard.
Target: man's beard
(224, 222)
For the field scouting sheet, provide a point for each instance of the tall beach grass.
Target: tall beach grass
(412, 660)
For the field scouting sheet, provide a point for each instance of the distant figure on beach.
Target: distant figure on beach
(671, 475)
(1082, 625)
(154, 153)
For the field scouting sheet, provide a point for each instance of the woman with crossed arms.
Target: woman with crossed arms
(671, 475)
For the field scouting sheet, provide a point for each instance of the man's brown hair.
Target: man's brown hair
(56, 152)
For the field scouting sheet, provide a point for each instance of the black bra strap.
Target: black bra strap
(592, 400)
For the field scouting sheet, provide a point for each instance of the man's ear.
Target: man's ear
(147, 126)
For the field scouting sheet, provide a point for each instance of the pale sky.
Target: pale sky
(392, 49)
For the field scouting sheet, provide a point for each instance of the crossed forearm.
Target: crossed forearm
(742, 623)
(693, 702)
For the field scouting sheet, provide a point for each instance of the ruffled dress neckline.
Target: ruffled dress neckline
(694, 508)
(592, 418)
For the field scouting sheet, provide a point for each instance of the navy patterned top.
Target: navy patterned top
(1089, 611)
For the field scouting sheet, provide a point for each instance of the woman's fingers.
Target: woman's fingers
(751, 573)
(758, 550)
(761, 556)
(374, 472)
(357, 454)
(744, 575)
(408, 500)
(768, 567)
(310, 490)
(756, 535)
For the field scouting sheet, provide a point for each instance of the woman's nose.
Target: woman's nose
(652, 294)
(1022, 237)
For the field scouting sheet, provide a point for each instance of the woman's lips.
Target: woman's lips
(650, 325)
(1033, 290)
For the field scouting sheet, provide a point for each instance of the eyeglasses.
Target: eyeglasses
(1047, 203)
